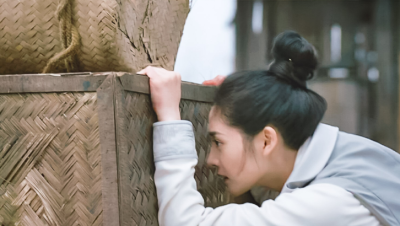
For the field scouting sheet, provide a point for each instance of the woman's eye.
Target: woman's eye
(217, 143)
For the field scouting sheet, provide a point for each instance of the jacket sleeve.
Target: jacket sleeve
(180, 204)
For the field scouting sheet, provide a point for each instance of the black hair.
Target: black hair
(251, 100)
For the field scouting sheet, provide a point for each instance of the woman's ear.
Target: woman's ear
(270, 137)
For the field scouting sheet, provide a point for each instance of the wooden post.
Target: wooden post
(105, 103)
(387, 87)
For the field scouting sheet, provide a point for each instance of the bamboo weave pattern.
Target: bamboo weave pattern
(210, 185)
(116, 35)
(50, 166)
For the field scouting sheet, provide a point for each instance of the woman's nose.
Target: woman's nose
(212, 159)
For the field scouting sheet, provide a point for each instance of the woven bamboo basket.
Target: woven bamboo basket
(89, 35)
(76, 149)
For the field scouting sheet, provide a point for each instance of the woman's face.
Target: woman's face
(233, 155)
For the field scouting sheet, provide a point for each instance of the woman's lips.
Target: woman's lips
(224, 177)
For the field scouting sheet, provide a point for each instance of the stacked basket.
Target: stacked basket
(89, 35)
(77, 149)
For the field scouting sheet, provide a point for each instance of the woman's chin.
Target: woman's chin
(237, 188)
(235, 191)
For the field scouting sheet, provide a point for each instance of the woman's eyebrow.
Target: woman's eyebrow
(212, 133)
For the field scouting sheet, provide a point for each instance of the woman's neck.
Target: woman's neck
(278, 168)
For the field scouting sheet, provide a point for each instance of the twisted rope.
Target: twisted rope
(70, 39)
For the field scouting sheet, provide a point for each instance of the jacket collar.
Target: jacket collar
(312, 157)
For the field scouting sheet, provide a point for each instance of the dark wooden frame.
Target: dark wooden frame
(91, 82)
(109, 87)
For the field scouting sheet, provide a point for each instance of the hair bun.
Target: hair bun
(295, 59)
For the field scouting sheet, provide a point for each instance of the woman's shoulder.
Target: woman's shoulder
(348, 140)
(320, 194)
(322, 203)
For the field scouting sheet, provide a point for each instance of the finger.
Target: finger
(178, 76)
(215, 81)
(209, 83)
(219, 79)
(150, 72)
(145, 71)
(142, 72)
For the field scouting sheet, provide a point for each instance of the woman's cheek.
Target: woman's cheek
(224, 160)
(230, 161)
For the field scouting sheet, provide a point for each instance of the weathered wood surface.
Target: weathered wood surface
(107, 127)
(190, 91)
(50, 83)
(89, 82)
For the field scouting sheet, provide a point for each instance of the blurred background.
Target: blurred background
(358, 43)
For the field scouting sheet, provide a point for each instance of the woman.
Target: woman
(266, 131)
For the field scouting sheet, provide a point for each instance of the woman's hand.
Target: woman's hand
(165, 91)
(215, 81)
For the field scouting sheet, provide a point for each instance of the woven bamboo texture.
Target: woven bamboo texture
(50, 168)
(112, 35)
(56, 162)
